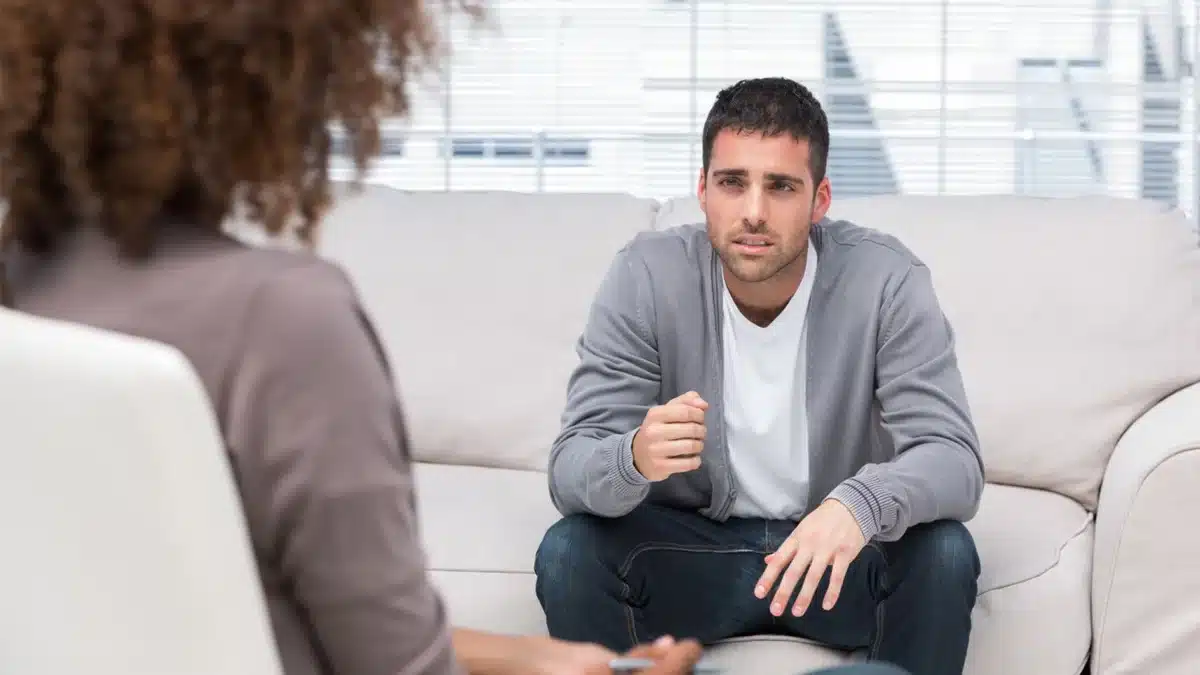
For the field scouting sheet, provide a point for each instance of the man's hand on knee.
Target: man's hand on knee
(829, 538)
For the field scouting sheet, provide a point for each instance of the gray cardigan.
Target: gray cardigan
(890, 431)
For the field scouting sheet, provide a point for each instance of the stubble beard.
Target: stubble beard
(752, 272)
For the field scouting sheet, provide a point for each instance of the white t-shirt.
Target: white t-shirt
(766, 420)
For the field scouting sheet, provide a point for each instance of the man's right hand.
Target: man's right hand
(671, 438)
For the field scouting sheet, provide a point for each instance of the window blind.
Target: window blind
(1040, 97)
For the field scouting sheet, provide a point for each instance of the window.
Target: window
(391, 144)
(509, 149)
(564, 150)
(948, 97)
(512, 149)
(469, 147)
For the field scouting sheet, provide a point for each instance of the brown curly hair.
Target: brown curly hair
(120, 112)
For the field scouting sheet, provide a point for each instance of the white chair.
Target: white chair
(123, 548)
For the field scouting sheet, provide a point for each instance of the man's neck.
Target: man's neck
(762, 302)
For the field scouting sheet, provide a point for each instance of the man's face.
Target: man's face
(760, 202)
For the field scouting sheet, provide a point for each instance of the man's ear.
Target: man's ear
(701, 191)
(822, 199)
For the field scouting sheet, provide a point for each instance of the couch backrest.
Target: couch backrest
(479, 298)
(1073, 317)
(124, 548)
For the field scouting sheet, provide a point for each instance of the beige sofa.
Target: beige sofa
(1079, 338)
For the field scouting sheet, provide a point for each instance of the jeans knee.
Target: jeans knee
(568, 556)
(950, 554)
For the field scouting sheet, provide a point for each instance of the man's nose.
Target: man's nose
(754, 207)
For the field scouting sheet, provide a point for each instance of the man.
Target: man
(767, 431)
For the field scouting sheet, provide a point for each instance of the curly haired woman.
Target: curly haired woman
(130, 130)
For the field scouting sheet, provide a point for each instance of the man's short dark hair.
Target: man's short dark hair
(770, 106)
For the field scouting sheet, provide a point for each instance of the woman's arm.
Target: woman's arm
(326, 479)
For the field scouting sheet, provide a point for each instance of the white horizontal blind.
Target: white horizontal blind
(1044, 97)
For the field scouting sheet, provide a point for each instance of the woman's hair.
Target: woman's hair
(118, 113)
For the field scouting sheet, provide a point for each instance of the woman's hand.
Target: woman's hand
(555, 657)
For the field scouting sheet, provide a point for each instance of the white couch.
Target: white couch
(1079, 339)
(1079, 334)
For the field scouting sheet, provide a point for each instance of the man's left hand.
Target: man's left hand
(827, 538)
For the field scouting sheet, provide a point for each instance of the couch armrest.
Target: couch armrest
(1144, 580)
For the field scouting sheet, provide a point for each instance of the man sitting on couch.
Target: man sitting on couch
(767, 431)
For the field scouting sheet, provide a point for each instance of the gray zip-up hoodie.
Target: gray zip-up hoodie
(890, 432)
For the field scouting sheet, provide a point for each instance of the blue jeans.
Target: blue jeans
(658, 571)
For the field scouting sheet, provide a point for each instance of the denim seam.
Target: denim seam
(623, 572)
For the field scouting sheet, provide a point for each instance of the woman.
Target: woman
(130, 130)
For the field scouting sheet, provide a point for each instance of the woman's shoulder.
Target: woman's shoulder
(297, 299)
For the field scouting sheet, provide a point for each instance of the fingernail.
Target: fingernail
(797, 611)
(664, 641)
(776, 609)
(760, 592)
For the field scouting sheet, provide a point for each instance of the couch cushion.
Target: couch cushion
(1073, 316)
(483, 526)
(482, 520)
(773, 655)
(479, 299)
